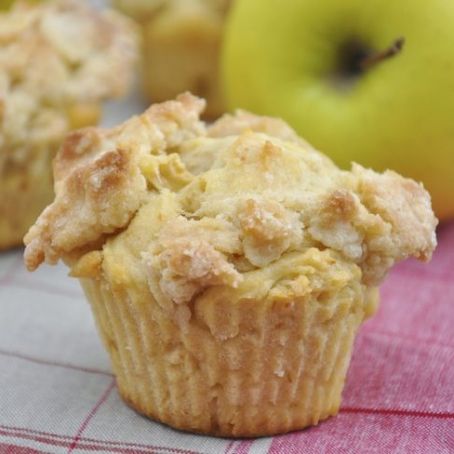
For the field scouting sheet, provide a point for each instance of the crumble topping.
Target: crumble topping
(188, 266)
(259, 202)
(268, 230)
(58, 60)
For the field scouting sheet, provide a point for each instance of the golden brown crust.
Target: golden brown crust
(269, 196)
(380, 220)
(242, 121)
(403, 204)
(98, 179)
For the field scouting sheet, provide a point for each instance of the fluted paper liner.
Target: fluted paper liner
(246, 369)
(26, 190)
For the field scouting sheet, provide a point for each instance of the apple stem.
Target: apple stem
(374, 58)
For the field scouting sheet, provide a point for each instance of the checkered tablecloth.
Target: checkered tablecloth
(57, 393)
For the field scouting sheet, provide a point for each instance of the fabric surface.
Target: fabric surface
(57, 393)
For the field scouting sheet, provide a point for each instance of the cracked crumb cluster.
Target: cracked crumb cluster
(141, 193)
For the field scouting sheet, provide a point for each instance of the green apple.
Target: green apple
(366, 81)
(5, 4)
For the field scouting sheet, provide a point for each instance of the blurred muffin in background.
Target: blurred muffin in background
(181, 44)
(58, 61)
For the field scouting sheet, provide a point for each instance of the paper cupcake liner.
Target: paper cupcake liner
(26, 189)
(246, 369)
(23, 195)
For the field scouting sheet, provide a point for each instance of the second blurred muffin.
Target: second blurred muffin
(181, 42)
(58, 61)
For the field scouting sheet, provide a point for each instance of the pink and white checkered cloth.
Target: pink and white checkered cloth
(57, 393)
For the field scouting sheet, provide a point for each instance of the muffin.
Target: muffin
(181, 40)
(228, 266)
(58, 61)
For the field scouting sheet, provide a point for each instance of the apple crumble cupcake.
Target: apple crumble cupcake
(181, 40)
(58, 61)
(228, 266)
